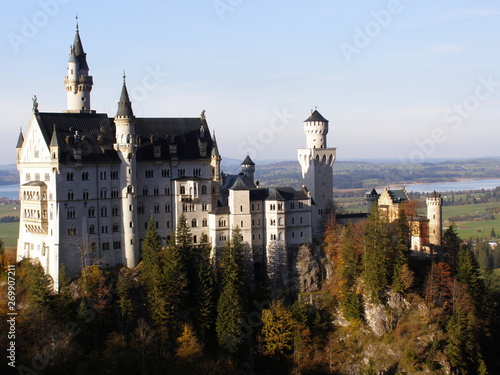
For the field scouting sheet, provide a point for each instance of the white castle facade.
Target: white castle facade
(90, 183)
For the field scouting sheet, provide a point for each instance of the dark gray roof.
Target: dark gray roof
(239, 185)
(53, 139)
(20, 140)
(398, 195)
(248, 161)
(79, 53)
(221, 210)
(97, 135)
(277, 193)
(124, 105)
(215, 148)
(231, 179)
(316, 116)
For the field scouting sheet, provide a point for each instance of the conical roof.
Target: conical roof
(124, 105)
(53, 140)
(248, 161)
(316, 116)
(79, 52)
(215, 148)
(20, 140)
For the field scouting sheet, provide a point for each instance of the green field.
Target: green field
(9, 231)
(475, 228)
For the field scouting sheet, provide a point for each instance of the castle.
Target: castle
(90, 183)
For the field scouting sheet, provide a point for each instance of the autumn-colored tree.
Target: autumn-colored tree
(189, 352)
(438, 285)
(277, 330)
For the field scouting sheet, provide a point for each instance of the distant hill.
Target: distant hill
(9, 174)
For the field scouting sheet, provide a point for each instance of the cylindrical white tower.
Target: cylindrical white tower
(78, 83)
(316, 129)
(126, 146)
(434, 214)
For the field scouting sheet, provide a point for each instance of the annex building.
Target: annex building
(91, 182)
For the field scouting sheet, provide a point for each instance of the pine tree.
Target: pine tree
(493, 234)
(204, 312)
(468, 273)
(230, 308)
(184, 244)
(376, 260)
(402, 277)
(451, 246)
(124, 300)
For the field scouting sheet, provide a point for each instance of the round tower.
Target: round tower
(126, 146)
(316, 129)
(248, 168)
(434, 214)
(78, 83)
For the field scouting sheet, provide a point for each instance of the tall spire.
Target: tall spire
(53, 140)
(20, 140)
(124, 105)
(215, 149)
(78, 50)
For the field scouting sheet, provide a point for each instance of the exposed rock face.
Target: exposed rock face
(308, 270)
(382, 317)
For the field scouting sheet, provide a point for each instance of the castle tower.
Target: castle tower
(434, 214)
(126, 146)
(316, 162)
(78, 82)
(248, 168)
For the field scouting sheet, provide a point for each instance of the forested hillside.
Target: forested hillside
(379, 311)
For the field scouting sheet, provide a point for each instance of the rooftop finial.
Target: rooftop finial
(124, 76)
(76, 17)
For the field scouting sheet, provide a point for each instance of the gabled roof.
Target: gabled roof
(97, 136)
(239, 185)
(316, 116)
(248, 161)
(277, 194)
(231, 180)
(398, 196)
(53, 140)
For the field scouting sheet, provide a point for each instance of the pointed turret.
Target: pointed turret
(78, 82)
(53, 140)
(215, 148)
(248, 168)
(124, 105)
(20, 140)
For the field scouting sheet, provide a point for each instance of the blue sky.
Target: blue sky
(413, 80)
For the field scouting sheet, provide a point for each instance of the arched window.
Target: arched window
(203, 189)
(194, 223)
(183, 190)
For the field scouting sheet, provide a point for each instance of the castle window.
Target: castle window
(167, 207)
(85, 176)
(115, 193)
(319, 171)
(293, 234)
(194, 223)
(183, 190)
(91, 212)
(105, 245)
(71, 231)
(37, 176)
(71, 213)
(222, 223)
(71, 195)
(70, 176)
(204, 207)
(156, 191)
(156, 224)
(258, 222)
(273, 222)
(131, 224)
(145, 192)
(280, 206)
(300, 234)
(157, 208)
(204, 223)
(292, 205)
(293, 220)
(433, 216)
(104, 211)
(149, 173)
(241, 208)
(272, 207)
(167, 191)
(168, 224)
(104, 229)
(117, 245)
(92, 229)
(86, 195)
(203, 189)
(28, 177)
(47, 177)
(165, 172)
(130, 189)
(253, 222)
(280, 221)
(140, 208)
(104, 194)
(115, 211)
(103, 175)
(301, 204)
(195, 239)
(114, 175)
(116, 228)
(241, 223)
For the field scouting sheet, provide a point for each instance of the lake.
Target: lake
(455, 186)
(9, 191)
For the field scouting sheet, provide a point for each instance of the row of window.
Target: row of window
(37, 177)
(193, 190)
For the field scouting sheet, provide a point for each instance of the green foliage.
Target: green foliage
(124, 300)
(451, 246)
(468, 273)
(351, 304)
(376, 260)
(39, 285)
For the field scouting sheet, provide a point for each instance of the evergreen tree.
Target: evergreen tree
(124, 300)
(204, 313)
(376, 260)
(493, 234)
(402, 277)
(184, 244)
(230, 308)
(451, 246)
(468, 273)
